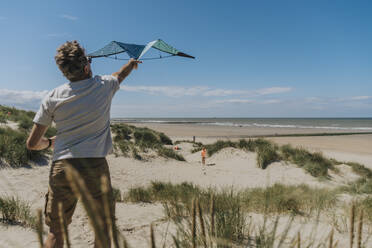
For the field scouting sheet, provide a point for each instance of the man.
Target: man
(81, 112)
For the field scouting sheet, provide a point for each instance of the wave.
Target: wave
(254, 124)
(230, 124)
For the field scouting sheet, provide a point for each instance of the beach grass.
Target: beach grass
(170, 153)
(278, 198)
(138, 141)
(268, 152)
(13, 150)
(117, 195)
(15, 211)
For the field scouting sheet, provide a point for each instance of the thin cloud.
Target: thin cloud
(273, 90)
(357, 98)
(23, 98)
(2, 18)
(176, 91)
(57, 35)
(239, 101)
(165, 90)
(69, 17)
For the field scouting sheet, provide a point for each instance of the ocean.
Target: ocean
(345, 124)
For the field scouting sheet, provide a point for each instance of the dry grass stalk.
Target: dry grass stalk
(352, 220)
(125, 244)
(331, 239)
(298, 240)
(176, 243)
(63, 225)
(110, 219)
(39, 227)
(78, 186)
(360, 229)
(152, 236)
(336, 243)
(201, 220)
(212, 211)
(194, 223)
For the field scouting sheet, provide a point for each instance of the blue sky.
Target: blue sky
(253, 58)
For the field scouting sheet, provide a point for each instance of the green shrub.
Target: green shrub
(170, 153)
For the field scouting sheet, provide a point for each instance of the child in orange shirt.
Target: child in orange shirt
(203, 154)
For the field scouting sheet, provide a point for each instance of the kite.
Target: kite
(136, 51)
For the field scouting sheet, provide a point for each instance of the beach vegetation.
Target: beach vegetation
(207, 217)
(278, 198)
(360, 169)
(25, 123)
(170, 153)
(138, 141)
(266, 152)
(360, 186)
(117, 195)
(13, 150)
(2, 117)
(15, 211)
(314, 163)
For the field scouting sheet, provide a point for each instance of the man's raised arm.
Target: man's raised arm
(126, 69)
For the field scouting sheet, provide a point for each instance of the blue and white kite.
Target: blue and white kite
(137, 51)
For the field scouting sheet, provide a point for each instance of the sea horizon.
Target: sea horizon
(332, 123)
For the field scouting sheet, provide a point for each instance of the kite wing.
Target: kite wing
(136, 51)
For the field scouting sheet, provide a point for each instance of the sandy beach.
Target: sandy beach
(231, 167)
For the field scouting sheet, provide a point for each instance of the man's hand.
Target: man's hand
(135, 63)
(126, 69)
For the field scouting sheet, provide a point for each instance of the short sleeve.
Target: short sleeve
(44, 115)
(112, 82)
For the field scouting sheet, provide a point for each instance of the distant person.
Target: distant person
(203, 155)
(81, 112)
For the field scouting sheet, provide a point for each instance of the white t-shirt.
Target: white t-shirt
(81, 112)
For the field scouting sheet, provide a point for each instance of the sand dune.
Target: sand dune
(229, 167)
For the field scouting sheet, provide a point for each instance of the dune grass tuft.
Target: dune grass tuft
(266, 152)
(15, 211)
(277, 198)
(170, 153)
(13, 148)
(117, 195)
(137, 141)
(360, 186)
(360, 169)
(314, 163)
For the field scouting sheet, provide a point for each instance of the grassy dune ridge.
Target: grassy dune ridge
(13, 151)
(137, 142)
